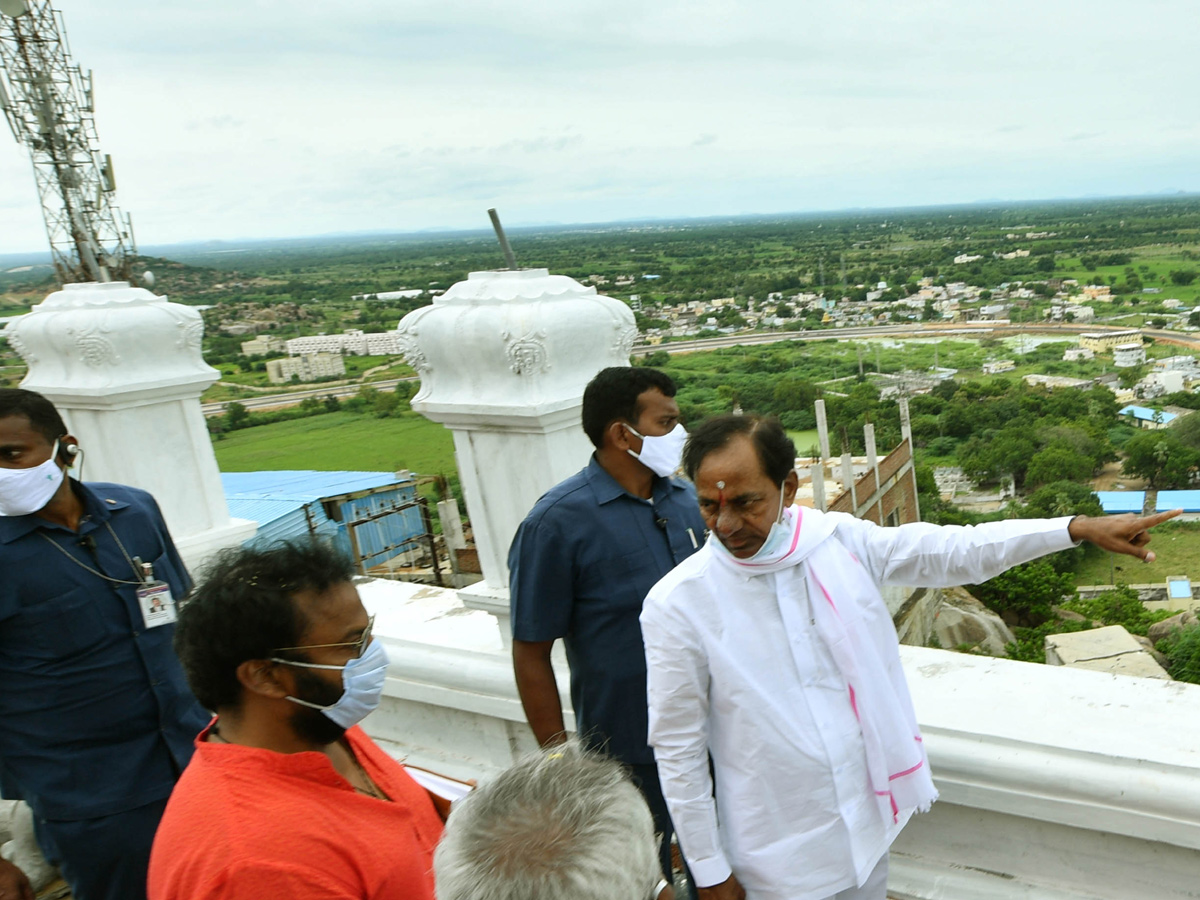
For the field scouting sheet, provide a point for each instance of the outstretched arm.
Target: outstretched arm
(1127, 533)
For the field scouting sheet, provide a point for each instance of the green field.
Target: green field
(1177, 548)
(804, 440)
(341, 441)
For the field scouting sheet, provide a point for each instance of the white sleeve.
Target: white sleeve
(925, 555)
(677, 690)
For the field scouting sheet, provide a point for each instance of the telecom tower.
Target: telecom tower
(47, 101)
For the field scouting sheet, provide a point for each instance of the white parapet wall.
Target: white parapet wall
(124, 368)
(1056, 783)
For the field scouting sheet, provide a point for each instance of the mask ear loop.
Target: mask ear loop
(779, 515)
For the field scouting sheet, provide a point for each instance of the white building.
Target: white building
(966, 258)
(1126, 356)
(995, 367)
(261, 345)
(1180, 363)
(307, 367)
(390, 295)
(1075, 354)
(353, 341)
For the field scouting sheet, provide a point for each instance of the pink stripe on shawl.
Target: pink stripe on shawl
(906, 771)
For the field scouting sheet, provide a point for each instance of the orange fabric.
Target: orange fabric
(249, 824)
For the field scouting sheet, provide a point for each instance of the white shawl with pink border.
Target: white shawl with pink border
(850, 616)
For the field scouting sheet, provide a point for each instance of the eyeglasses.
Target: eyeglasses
(359, 646)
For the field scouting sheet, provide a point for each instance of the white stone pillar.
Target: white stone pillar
(124, 368)
(822, 431)
(503, 359)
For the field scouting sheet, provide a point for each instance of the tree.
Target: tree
(1160, 457)
(794, 394)
(1062, 498)
(1026, 594)
(236, 416)
(1057, 463)
(1183, 277)
(385, 404)
(1187, 431)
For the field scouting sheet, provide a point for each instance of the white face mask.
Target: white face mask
(362, 685)
(25, 491)
(661, 453)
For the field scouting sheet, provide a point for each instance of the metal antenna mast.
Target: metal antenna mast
(48, 103)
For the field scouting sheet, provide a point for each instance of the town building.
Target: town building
(1096, 292)
(1144, 417)
(308, 367)
(390, 295)
(1104, 341)
(996, 366)
(353, 341)
(1126, 356)
(1075, 354)
(1050, 382)
(262, 345)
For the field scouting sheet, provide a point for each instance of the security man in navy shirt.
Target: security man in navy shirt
(583, 561)
(96, 719)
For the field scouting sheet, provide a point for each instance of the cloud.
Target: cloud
(280, 117)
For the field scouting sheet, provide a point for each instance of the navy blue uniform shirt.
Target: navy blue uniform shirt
(95, 715)
(580, 566)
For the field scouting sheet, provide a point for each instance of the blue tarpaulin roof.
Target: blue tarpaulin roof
(264, 497)
(1145, 413)
(1179, 588)
(1122, 501)
(287, 506)
(1188, 501)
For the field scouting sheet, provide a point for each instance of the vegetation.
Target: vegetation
(1182, 649)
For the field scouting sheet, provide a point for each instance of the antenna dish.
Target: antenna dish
(14, 8)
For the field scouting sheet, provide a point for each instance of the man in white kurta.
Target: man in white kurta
(771, 651)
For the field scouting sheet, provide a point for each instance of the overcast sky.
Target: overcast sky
(233, 119)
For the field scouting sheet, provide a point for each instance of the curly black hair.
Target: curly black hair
(243, 608)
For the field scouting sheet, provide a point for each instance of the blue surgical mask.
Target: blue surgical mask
(776, 537)
(362, 685)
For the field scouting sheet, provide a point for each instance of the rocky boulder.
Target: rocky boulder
(962, 620)
(1160, 630)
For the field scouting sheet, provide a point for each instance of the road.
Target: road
(294, 398)
(922, 329)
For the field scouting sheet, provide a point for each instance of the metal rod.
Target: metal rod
(508, 254)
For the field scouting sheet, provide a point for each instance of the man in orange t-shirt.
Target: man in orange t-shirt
(285, 795)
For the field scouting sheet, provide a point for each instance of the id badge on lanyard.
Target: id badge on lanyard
(155, 599)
